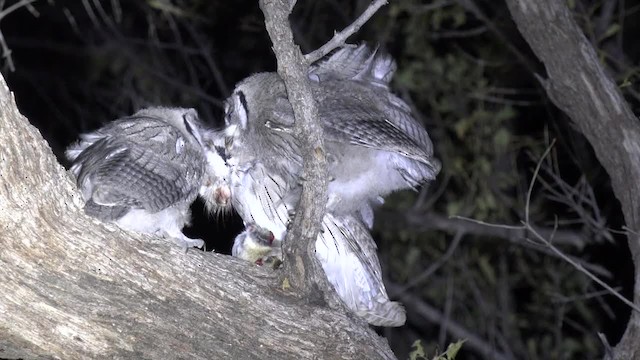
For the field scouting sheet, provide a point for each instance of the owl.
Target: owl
(373, 143)
(374, 147)
(143, 171)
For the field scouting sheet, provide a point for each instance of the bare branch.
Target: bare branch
(423, 221)
(6, 52)
(557, 251)
(9, 9)
(548, 243)
(581, 268)
(435, 266)
(342, 36)
(533, 181)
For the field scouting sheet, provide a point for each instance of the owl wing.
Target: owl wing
(355, 63)
(352, 267)
(262, 197)
(114, 172)
(361, 122)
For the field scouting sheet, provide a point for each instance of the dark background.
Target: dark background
(468, 75)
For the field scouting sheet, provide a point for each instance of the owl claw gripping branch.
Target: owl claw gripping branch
(367, 130)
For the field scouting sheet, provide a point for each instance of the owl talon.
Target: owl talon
(185, 243)
(291, 213)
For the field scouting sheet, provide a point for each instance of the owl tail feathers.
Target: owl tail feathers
(355, 63)
(387, 314)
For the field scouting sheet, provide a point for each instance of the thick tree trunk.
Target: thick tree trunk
(72, 287)
(578, 85)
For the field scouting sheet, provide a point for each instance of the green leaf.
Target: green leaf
(506, 113)
(462, 126)
(612, 30)
(459, 18)
(625, 83)
(418, 351)
(453, 348)
(501, 139)
(487, 269)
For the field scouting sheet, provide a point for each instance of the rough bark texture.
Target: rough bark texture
(71, 287)
(578, 85)
(301, 266)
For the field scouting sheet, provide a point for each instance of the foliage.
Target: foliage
(418, 352)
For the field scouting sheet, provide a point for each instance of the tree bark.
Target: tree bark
(72, 287)
(578, 84)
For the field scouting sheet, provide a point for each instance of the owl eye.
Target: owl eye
(179, 145)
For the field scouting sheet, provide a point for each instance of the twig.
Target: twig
(531, 244)
(340, 37)
(424, 221)
(454, 34)
(557, 251)
(533, 180)
(210, 61)
(436, 265)
(581, 268)
(581, 297)
(6, 52)
(526, 224)
(14, 7)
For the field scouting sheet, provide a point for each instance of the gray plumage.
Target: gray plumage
(374, 147)
(143, 171)
(347, 253)
(215, 190)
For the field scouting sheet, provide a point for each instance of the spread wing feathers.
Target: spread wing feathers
(262, 199)
(157, 134)
(355, 63)
(348, 256)
(399, 114)
(353, 120)
(114, 171)
(361, 125)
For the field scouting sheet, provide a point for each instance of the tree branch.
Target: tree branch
(72, 287)
(433, 221)
(342, 36)
(301, 266)
(579, 86)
